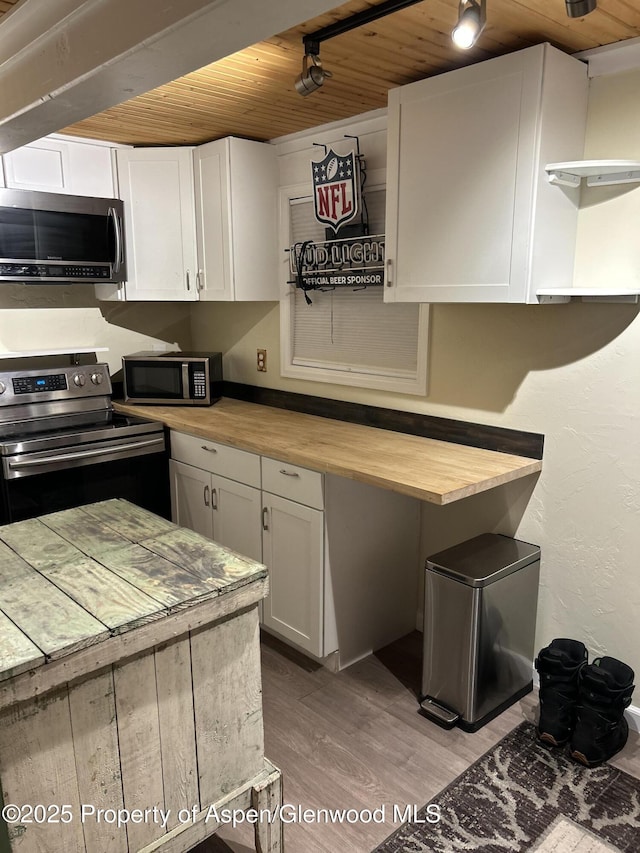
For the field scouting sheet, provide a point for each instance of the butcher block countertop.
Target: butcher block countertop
(78, 578)
(439, 472)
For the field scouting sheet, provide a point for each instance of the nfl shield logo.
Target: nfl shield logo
(335, 188)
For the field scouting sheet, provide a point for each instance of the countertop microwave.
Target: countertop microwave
(172, 378)
(56, 238)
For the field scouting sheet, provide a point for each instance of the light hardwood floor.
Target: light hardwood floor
(355, 740)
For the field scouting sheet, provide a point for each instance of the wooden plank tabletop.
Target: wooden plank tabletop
(75, 578)
(17, 652)
(436, 471)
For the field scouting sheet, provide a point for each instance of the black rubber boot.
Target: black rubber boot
(559, 665)
(606, 687)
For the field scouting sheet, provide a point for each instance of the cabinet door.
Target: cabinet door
(61, 166)
(236, 185)
(460, 153)
(191, 498)
(211, 166)
(156, 185)
(293, 551)
(236, 517)
(470, 213)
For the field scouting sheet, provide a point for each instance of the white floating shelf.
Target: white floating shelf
(599, 173)
(586, 294)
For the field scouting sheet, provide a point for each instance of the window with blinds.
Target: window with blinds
(351, 336)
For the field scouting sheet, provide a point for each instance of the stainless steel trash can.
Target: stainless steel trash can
(479, 624)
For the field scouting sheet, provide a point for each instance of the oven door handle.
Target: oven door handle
(17, 465)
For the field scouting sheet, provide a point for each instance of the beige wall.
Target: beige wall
(570, 371)
(39, 317)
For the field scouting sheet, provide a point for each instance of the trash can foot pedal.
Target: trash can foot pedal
(439, 713)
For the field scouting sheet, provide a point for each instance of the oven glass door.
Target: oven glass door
(156, 380)
(48, 235)
(143, 480)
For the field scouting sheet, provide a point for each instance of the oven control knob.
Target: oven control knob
(79, 379)
(97, 378)
(3, 387)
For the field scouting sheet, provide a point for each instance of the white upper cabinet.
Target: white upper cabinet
(61, 166)
(236, 220)
(471, 215)
(156, 185)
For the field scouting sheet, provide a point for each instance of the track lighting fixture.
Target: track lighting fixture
(578, 8)
(313, 74)
(472, 17)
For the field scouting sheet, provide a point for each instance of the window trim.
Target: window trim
(414, 384)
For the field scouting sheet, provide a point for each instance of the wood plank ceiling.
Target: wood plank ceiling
(251, 93)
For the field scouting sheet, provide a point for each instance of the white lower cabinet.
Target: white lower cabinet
(236, 517)
(293, 551)
(343, 557)
(218, 508)
(212, 503)
(189, 504)
(343, 560)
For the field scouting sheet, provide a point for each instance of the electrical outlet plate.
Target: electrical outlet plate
(261, 360)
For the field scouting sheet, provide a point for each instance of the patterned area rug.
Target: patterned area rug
(521, 796)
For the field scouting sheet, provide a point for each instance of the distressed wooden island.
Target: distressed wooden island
(129, 680)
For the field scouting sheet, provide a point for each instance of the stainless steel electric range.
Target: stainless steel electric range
(62, 444)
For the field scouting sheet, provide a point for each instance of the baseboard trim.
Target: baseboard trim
(633, 717)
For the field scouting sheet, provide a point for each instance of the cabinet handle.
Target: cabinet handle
(289, 473)
(206, 495)
(188, 282)
(389, 277)
(200, 280)
(265, 518)
(208, 449)
(214, 499)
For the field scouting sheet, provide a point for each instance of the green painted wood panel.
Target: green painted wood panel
(49, 618)
(206, 559)
(83, 530)
(130, 520)
(12, 566)
(38, 545)
(159, 578)
(17, 652)
(74, 578)
(105, 595)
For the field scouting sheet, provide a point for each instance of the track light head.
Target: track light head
(579, 8)
(313, 75)
(472, 17)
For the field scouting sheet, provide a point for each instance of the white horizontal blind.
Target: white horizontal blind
(351, 330)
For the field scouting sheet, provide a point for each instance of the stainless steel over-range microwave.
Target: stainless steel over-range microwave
(50, 237)
(172, 378)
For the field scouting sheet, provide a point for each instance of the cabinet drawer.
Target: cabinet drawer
(291, 481)
(239, 465)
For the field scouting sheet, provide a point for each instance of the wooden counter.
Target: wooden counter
(129, 679)
(436, 471)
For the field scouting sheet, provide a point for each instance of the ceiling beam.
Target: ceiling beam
(62, 61)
